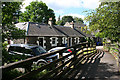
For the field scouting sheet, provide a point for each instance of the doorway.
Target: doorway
(40, 41)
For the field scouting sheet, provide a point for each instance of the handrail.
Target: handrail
(28, 62)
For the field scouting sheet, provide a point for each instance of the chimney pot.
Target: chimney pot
(72, 24)
(50, 21)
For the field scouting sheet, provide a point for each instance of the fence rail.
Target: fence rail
(59, 66)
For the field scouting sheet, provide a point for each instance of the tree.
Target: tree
(11, 10)
(106, 19)
(78, 20)
(10, 13)
(59, 18)
(60, 22)
(37, 12)
(65, 19)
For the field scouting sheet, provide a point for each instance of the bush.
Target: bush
(10, 75)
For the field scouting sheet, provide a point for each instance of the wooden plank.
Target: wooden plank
(27, 75)
(28, 61)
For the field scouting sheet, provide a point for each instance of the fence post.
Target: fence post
(87, 45)
(92, 46)
(74, 55)
(60, 56)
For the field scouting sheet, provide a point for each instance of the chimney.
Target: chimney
(50, 21)
(72, 24)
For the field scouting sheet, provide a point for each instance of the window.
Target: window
(39, 50)
(20, 50)
(53, 41)
(76, 40)
(64, 40)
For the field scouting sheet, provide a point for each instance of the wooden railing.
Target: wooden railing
(57, 67)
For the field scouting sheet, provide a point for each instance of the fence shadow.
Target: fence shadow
(93, 69)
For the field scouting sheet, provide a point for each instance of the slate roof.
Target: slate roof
(68, 31)
(84, 34)
(36, 29)
(78, 25)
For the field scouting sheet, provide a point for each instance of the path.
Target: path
(97, 67)
(107, 68)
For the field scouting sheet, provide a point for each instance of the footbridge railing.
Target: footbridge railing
(56, 68)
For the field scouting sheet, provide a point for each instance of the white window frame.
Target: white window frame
(51, 40)
(76, 40)
(64, 40)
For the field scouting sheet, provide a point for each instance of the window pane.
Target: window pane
(76, 40)
(53, 40)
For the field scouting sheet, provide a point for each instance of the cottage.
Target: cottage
(78, 27)
(48, 35)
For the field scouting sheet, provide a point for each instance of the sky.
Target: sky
(73, 8)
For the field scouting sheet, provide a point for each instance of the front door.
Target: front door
(41, 42)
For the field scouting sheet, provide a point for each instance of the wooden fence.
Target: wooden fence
(59, 66)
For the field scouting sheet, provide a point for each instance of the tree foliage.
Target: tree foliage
(106, 19)
(11, 10)
(10, 13)
(65, 19)
(78, 20)
(37, 12)
(69, 19)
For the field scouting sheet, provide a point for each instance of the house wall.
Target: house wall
(17, 41)
(31, 40)
(47, 41)
(47, 44)
(59, 41)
